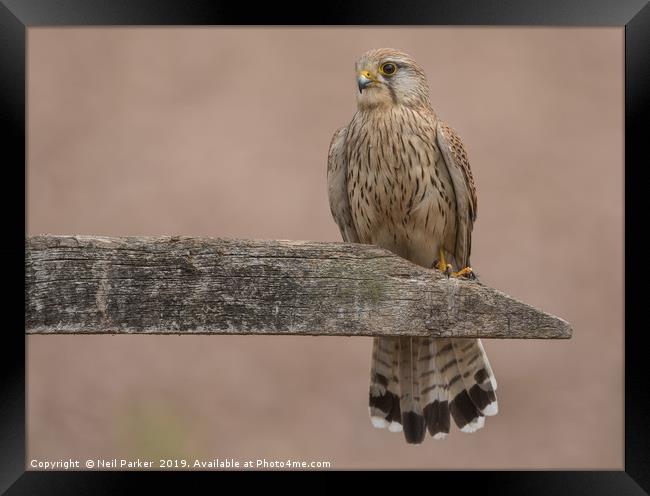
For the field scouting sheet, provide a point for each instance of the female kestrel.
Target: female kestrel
(398, 177)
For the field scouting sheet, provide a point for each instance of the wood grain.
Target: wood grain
(181, 285)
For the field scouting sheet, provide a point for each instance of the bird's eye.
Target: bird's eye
(388, 68)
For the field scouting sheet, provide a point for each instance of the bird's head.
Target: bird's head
(387, 77)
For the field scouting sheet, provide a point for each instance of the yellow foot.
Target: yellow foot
(447, 267)
(442, 264)
(467, 272)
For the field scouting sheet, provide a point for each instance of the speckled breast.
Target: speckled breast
(401, 196)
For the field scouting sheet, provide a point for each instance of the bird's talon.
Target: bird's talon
(439, 266)
(467, 273)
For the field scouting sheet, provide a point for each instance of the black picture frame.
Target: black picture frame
(17, 15)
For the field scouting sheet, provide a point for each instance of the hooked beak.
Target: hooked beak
(364, 79)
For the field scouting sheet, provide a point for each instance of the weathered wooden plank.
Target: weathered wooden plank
(180, 285)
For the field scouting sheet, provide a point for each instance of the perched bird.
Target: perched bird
(399, 178)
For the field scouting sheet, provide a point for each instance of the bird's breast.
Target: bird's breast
(399, 190)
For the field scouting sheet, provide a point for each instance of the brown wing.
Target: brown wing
(455, 157)
(337, 188)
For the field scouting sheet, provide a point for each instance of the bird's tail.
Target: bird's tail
(384, 387)
(417, 384)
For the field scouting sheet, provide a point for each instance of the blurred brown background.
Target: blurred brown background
(224, 132)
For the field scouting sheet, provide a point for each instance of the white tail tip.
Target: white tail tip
(474, 425)
(395, 427)
(378, 422)
(491, 409)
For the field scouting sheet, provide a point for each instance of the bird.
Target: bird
(399, 177)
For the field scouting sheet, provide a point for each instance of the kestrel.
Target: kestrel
(399, 178)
